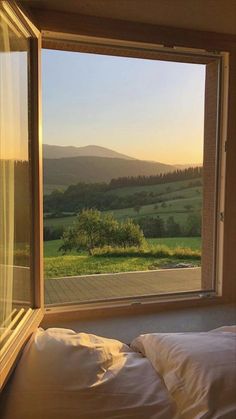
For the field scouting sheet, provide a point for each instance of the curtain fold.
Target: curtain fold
(14, 174)
(7, 128)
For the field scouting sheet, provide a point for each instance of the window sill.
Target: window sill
(128, 307)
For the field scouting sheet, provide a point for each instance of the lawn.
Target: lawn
(74, 264)
(88, 265)
(51, 247)
(193, 243)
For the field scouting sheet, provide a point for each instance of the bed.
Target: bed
(67, 375)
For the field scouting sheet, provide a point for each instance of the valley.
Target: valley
(164, 202)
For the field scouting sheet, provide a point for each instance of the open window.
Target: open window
(180, 207)
(20, 273)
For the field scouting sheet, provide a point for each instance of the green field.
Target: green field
(174, 207)
(157, 189)
(180, 199)
(58, 222)
(194, 243)
(57, 265)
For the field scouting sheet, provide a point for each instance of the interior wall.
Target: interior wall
(210, 15)
(127, 327)
(229, 263)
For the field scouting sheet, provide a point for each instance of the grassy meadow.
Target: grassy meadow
(158, 253)
(176, 199)
(179, 202)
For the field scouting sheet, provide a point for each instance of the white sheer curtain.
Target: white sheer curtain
(10, 151)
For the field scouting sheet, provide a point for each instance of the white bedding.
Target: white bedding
(65, 375)
(68, 375)
(199, 370)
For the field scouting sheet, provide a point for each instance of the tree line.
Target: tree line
(94, 195)
(152, 227)
(176, 175)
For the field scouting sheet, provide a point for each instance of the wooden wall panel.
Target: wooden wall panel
(229, 262)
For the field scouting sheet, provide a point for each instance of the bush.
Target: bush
(93, 230)
(159, 251)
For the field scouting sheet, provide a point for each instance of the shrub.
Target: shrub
(93, 230)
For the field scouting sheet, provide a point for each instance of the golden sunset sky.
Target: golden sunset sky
(150, 110)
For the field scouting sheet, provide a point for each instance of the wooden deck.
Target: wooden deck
(109, 286)
(87, 288)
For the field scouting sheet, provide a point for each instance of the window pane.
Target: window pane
(123, 177)
(15, 219)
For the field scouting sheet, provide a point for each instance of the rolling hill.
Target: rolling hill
(90, 169)
(58, 152)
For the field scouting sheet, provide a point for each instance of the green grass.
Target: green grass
(170, 192)
(174, 207)
(58, 222)
(160, 252)
(88, 265)
(193, 243)
(158, 189)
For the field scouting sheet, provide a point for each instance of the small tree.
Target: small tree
(93, 229)
(88, 231)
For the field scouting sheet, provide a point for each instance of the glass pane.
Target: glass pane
(123, 177)
(15, 282)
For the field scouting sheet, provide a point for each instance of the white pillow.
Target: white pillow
(199, 370)
(65, 375)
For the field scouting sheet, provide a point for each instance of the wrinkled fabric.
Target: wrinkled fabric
(68, 375)
(199, 370)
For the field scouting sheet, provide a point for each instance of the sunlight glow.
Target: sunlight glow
(150, 110)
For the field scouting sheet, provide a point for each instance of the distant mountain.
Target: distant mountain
(71, 170)
(58, 152)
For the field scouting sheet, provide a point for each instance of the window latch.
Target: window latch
(222, 217)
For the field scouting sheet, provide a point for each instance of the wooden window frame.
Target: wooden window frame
(35, 314)
(52, 21)
(89, 44)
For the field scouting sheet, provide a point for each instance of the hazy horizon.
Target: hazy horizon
(146, 109)
(116, 151)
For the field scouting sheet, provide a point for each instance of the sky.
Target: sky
(150, 110)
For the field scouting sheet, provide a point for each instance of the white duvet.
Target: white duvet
(68, 375)
(199, 370)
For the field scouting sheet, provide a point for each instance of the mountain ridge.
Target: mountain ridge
(57, 152)
(91, 169)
